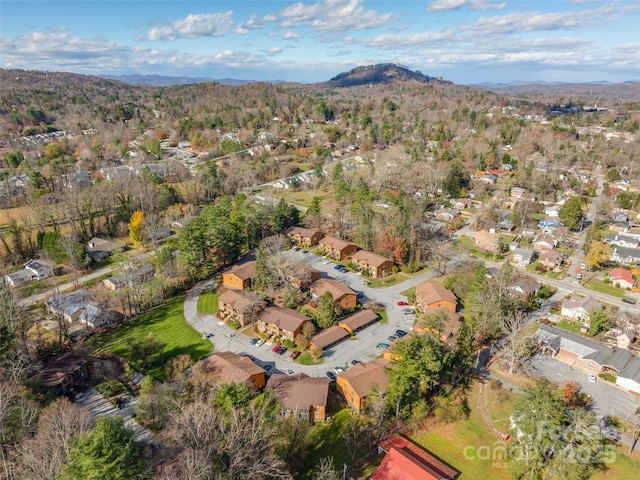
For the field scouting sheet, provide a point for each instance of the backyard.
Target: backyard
(167, 323)
(208, 302)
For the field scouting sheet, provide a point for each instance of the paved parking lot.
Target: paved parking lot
(607, 399)
(362, 347)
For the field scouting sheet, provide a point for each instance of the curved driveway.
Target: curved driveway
(362, 347)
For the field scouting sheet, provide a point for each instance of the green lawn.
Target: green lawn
(307, 359)
(208, 302)
(382, 313)
(606, 288)
(167, 322)
(387, 281)
(569, 326)
(327, 440)
(410, 293)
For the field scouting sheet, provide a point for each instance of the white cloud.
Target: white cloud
(327, 16)
(194, 26)
(274, 51)
(447, 5)
(290, 35)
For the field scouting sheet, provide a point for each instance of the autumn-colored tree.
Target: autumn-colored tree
(569, 391)
(598, 254)
(392, 245)
(136, 227)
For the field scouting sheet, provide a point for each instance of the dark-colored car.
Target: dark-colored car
(331, 376)
(250, 357)
(629, 301)
(355, 362)
(267, 366)
(382, 345)
(337, 267)
(295, 354)
(253, 341)
(392, 338)
(281, 350)
(400, 333)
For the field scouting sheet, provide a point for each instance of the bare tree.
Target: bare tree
(325, 470)
(42, 456)
(515, 345)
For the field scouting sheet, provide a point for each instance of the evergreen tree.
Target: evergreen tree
(108, 452)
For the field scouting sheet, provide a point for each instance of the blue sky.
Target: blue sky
(465, 41)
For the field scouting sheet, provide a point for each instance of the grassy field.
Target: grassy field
(410, 293)
(208, 302)
(607, 288)
(449, 441)
(387, 281)
(167, 322)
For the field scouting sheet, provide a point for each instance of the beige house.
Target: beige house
(356, 383)
(240, 276)
(487, 241)
(241, 307)
(337, 248)
(377, 265)
(301, 395)
(434, 295)
(283, 323)
(229, 367)
(309, 237)
(342, 295)
(328, 337)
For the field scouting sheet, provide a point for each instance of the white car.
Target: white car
(338, 370)
(592, 378)
(260, 342)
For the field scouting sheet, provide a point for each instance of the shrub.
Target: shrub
(608, 377)
(495, 384)
(289, 344)
(233, 324)
(394, 269)
(110, 388)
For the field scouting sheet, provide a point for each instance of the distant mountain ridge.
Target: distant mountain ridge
(380, 73)
(167, 81)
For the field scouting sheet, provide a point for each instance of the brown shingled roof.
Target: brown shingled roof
(285, 318)
(371, 258)
(244, 271)
(299, 391)
(360, 319)
(363, 376)
(329, 337)
(303, 232)
(57, 367)
(432, 292)
(335, 243)
(231, 367)
(337, 289)
(238, 299)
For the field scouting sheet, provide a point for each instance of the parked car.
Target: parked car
(592, 378)
(408, 311)
(400, 333)
(382, 345)
(290, 372)
(295, 354)
(403, 304)
(331, 376)
(338, 370)
(629, 301)
(250, 357)
(275, 349)
(337, 267)
(282, 350)
(359, 295)
(327, 262)
(355, 362)
(267, 366)
(392, 338)
(253, 341)
(260, 342)
(295, 249)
